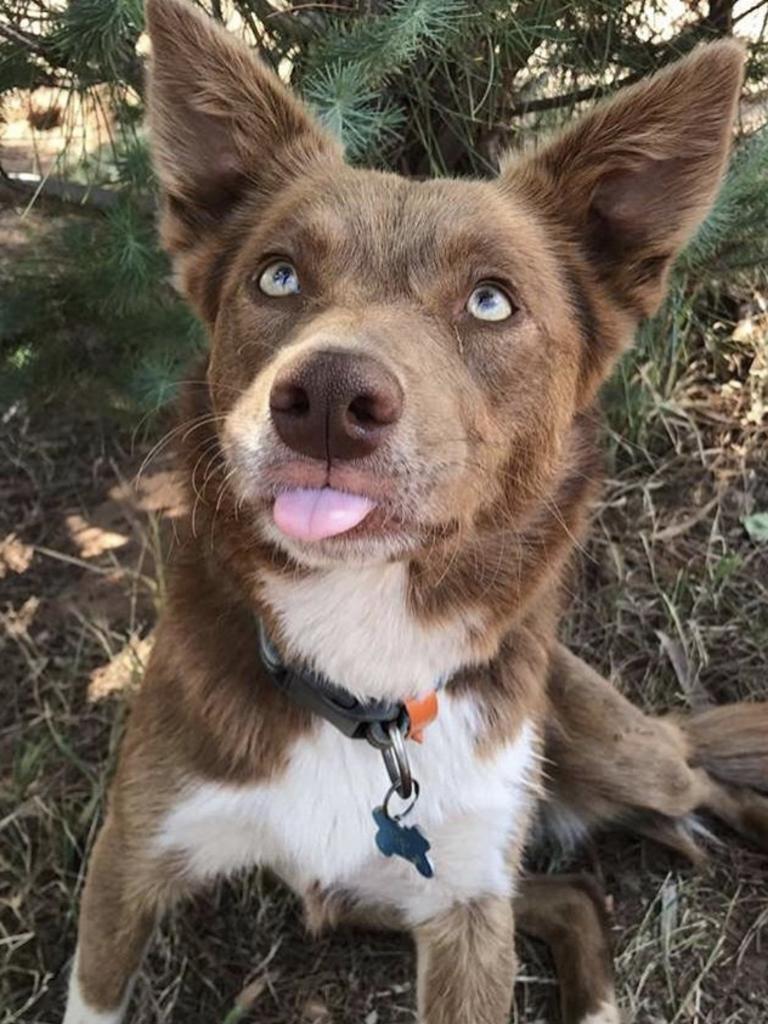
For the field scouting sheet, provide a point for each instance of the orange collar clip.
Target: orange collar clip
(421, 713)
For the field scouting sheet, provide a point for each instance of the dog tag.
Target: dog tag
(406, 841)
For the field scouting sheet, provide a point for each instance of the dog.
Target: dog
(391, 454)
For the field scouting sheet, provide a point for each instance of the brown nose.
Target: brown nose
(335, 405)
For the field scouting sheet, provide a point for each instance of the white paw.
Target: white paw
(79, 1012)
(607, 1013)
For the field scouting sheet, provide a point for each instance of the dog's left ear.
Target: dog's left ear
(223, 126)
(635, 177)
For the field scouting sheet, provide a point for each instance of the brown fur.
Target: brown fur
(485, 486)
(614, 764)
(730, 743)
(568, 913)
(467, 964)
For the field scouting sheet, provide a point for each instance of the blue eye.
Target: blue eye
(279, 279)
(489, 302)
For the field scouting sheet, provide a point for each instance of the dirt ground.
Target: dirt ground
(669, 598)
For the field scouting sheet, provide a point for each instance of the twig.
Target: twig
(750, 10)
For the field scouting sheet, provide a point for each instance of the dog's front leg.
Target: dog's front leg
(467, 963)
(123, 897)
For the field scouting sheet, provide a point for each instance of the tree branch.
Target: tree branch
(291, 24)
(568, 99)
(71, 193)
(15, 35)
(720, 16)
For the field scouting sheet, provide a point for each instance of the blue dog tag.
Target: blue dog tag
(406, 841)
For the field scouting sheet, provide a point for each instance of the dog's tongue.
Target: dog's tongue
(317, 513)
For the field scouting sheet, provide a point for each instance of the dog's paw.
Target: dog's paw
(751, 816)
(607, 1013)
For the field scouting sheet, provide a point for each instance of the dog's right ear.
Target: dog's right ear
(223, 126)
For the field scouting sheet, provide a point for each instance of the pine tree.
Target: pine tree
(425, 87)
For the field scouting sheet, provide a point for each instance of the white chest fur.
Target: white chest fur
(314, 824)
(354, 625)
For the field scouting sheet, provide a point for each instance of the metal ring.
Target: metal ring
(408, 809)
(377, 736)
(396, 760)
(268, 650)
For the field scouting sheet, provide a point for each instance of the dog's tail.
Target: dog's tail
(731, 742)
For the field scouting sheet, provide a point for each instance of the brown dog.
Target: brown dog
(389, 462)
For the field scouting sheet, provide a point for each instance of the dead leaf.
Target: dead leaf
(316, 1012)
(15, 555)
(17, 622)
(91, 540)
(160, 491)
(123, 673)
(676, 653)
(253, 991)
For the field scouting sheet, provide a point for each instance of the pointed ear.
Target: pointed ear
(222, 125)
(636, 176)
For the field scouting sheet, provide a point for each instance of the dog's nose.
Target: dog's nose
(335, 405)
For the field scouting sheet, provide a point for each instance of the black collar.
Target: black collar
(359, 720)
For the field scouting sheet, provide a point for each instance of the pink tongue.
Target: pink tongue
(317, 513)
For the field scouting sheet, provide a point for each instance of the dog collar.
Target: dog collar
(383, 724)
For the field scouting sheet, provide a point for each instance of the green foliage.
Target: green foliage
(356, 113)
(734, 238)
(420, 86)
(387, 43)
(89, 316)
(756, 526)
(94, 38)
(18, 69)
(131, 262)
(351, 73)
(727, 257)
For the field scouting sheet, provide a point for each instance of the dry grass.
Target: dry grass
(670, 597)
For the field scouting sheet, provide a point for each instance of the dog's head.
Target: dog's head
(392, 360)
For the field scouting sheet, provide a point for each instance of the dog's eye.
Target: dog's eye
(279, 279)
(489, 302)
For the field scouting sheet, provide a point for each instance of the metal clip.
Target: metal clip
(388, 738)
